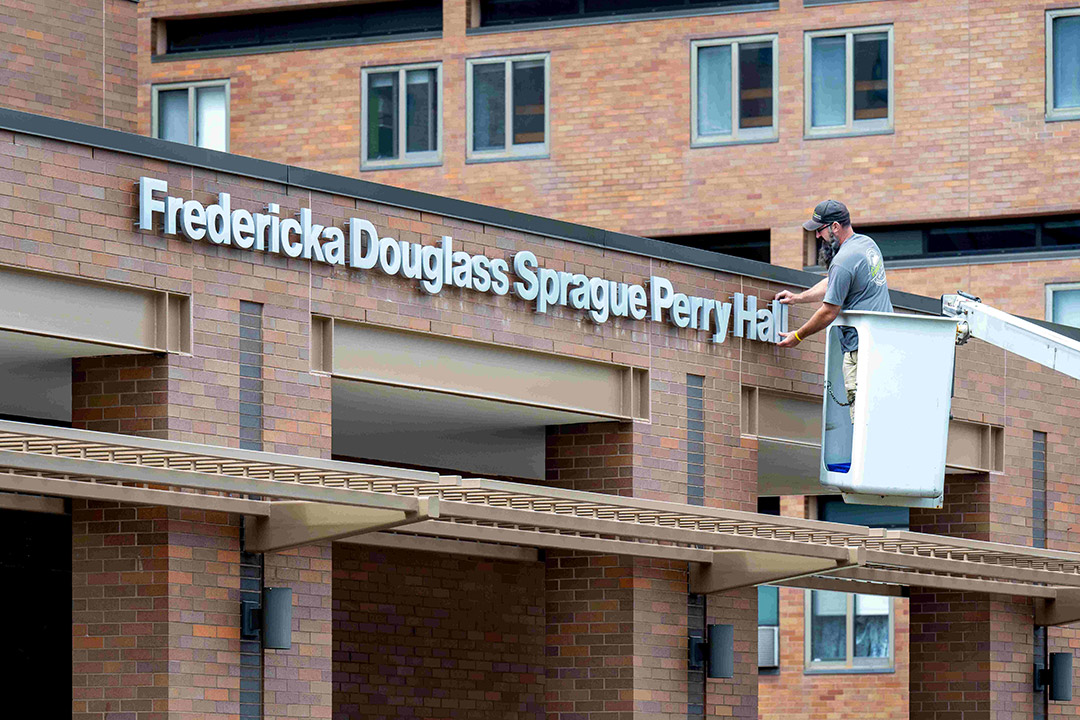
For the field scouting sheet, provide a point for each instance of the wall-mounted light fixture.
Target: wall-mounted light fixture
(272, 619)
(1058, 677)
(716, 653)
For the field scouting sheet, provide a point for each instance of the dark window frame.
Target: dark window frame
(578, 10)
(1036, 225)
(285, 28)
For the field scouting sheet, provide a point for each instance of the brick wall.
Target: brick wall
(622, 160)
(298, 682)
(121, 394)
(120, 601)
(792, 693)
(594, 457)
(423, 635)
(590, 635)
(971, 654)
(73, 60)
(203, 390)
(204, 613)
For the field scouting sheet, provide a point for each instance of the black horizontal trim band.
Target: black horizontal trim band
(139, 145)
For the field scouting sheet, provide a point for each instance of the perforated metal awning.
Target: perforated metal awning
(292, 500)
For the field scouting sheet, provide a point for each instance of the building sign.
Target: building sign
(435, 267)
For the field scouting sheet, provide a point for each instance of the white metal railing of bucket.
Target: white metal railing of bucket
(893, 452)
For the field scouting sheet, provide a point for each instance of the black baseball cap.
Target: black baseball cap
(826, 213)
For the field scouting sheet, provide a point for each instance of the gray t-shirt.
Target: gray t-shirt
(857, 282)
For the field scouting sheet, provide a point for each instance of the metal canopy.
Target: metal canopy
(332, 500)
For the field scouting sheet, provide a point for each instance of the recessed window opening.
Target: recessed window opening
(310, 25)
(402, 119)
(981, 237)
(849, 81)
(192, 113)
(1063, 64)
(508, 103)
(750, 244)
(850, 632)
(512, 12)
(734, 89)
(1063, 303)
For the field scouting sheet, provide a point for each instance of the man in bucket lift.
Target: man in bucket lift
(856, 281)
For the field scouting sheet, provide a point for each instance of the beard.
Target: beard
(826, 252)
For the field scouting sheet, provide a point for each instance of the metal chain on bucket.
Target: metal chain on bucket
(828, 388)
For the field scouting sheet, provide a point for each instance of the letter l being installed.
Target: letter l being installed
(292, 524)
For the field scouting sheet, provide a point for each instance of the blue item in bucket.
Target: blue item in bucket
(839, 467)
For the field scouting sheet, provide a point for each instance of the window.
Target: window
(849, 81)
(1063, 303)
(848, 632)
(1063, 64)
(508, 107)
(340, 24)
(733, 90)
(749, 244)
(193, 113)
(402, 122)
(513, 12)
(983, 237)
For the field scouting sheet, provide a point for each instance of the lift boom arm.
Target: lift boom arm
(1006, 331)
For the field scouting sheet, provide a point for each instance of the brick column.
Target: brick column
(590, 598)
(971, 655)
(298, 682)
(617, 626)
(119, 613)
(120, 555)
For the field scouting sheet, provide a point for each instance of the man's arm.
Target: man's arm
(819, 321)
(812, 295)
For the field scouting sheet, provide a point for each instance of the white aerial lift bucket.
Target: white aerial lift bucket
(894, 451)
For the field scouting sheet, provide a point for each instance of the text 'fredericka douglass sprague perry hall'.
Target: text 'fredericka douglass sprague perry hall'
(435, 267)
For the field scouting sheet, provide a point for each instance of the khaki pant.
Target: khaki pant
(851, 363)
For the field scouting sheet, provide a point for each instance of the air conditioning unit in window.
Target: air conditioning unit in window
(768, 646)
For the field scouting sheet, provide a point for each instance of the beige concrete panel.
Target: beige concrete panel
(1062, 609)
(733, 569)
(788, 417)
(430, 362)
(789, 468)
(292, 524)
(103, 313)
(32, 503)
(837, 585)
(974, 447)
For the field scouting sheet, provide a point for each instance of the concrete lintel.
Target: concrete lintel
(824, 582)
(292, 524)
(733, 569)
(1062, 609)
(32, 503)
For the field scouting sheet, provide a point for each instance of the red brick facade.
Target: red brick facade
(120, 613)
(157, 586)
(970, 139)
(298, 682)
(121, 394)
(74, 60)
(422, 635)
